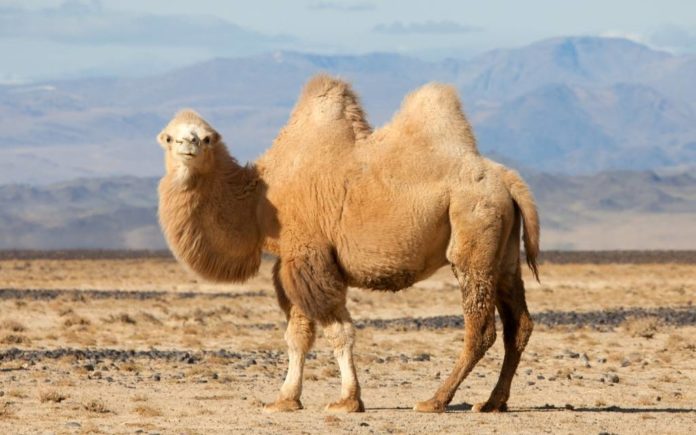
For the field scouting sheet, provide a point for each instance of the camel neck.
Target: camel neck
(211, 222)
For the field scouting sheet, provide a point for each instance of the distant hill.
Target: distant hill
(610, 210)
(566, 105)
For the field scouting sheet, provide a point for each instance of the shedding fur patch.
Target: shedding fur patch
(312, 281)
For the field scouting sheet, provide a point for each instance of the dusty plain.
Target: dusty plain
(139, 345)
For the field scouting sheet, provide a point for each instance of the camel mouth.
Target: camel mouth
(186, 156)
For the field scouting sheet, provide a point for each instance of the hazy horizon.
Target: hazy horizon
(53, 39)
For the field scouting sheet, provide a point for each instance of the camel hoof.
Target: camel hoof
(431, 405)
(283, 405)
(346, 405)
(490, 407)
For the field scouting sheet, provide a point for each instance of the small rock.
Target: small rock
(156, 377)
(585, 360)
(611, 378)
(601, 360)
(528, 372)
(625, 363)
(571, 354)
(569, 406)
(422, 357)
(73, 424)
(531, 382)
(363, 424)
(540, 377)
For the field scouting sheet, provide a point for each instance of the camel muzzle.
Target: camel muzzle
(187, 149)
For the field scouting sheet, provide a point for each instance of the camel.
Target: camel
(342, 205)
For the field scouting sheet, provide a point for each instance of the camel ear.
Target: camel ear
(164, 140)
(211, 139)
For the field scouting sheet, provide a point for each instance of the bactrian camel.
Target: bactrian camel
(340, 205)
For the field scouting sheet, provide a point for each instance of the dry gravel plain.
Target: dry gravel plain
(139, 345)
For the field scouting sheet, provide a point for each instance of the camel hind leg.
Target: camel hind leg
(517, 328)
(478, 226)
(517, 323)
(478, 300)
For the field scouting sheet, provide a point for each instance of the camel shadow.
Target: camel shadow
(462, 407)
(613, 408)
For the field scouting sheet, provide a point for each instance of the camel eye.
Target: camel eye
(206, 140)
(169, 139)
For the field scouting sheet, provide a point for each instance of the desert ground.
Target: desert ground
(140, 345)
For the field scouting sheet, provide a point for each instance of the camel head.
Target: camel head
(189, 143)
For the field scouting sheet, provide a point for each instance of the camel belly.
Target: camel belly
(375, 264)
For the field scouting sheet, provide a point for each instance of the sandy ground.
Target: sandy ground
(200, 358)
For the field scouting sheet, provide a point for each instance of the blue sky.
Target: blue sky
(55, 38)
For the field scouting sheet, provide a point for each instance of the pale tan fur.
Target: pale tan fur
(343, 206)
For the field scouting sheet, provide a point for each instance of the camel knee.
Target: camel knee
(489, 334)
(482, 336)
(341, 335)
(524, 331)
(301, 331)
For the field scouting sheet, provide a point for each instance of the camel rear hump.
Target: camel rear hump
(434, 111)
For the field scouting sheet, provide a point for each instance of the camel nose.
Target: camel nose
(188, 147)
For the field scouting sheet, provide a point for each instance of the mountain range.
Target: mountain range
(575, 105)
(609, 210)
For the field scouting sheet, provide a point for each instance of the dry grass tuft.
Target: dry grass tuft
(149, 318)
(76, 320)
(332, 420)
(97, 406)
(52, 396)
(121, 318)
(19, 394)
(645, 327)
(13, 326)
(147, 411)
(15, 339)
(130, 366)
(6, 412)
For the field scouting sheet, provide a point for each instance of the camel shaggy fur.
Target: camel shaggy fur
(340, 205)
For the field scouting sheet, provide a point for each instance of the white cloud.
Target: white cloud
(427, 27)
(342, 6)
(674, 38)
(88, 23)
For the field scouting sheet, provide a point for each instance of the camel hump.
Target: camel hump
(435, 111)
(328, 100)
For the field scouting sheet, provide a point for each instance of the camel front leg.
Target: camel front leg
(340, 332)
(300, 336)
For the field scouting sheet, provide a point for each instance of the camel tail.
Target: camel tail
(530, 217)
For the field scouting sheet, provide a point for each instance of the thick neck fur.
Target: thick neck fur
(210, 218)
